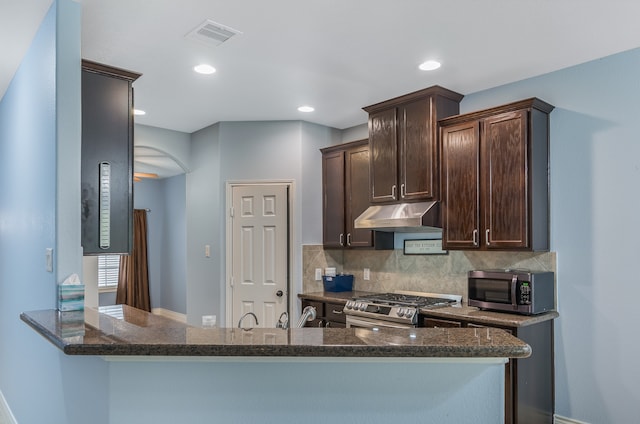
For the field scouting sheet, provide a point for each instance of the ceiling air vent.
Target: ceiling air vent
(212, 33)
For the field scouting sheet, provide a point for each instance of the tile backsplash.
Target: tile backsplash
(393, 270)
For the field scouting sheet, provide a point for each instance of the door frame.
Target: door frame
(228, 300)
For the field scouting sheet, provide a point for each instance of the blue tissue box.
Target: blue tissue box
(70, 297)
(339, 283)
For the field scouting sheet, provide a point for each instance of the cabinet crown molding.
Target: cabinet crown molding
(90, 66)
(435, 90)
(531, 103)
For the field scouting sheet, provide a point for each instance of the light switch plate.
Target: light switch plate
(318, 274)
(48, 256)
(366, 274)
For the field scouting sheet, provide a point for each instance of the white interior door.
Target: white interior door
(259, 276)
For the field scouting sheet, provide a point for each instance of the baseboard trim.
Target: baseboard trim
(6, 416)
(559, 419)
(176, 316)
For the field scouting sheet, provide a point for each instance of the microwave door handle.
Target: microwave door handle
(514, 284)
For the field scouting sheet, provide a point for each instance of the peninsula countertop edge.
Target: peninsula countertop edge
(142, 334)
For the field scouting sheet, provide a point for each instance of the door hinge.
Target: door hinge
(231, 212)
(231, 281)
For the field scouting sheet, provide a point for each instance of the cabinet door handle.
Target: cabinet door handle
(348, 239)
(403, 191)
(486, 235)
(341, 239)
(393, 192)
(475, 237)
(336, 312)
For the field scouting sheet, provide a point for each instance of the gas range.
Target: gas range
(398, 307)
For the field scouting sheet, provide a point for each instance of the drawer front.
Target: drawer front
(333, 313)
(441, 323)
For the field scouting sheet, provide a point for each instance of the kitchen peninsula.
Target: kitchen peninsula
(139, 333)
(232, 375)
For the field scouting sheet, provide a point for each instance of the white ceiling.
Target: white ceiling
(337, 55)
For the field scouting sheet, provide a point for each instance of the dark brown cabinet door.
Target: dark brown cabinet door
(418, 154)
(357, 195)
(345, 188)
(495, 178)
(505, 184)
(333, 202)
(384, 156)
(404, 146)
(461, 186)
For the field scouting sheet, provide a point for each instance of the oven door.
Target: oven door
(360, 322)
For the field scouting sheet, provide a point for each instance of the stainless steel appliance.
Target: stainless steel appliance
(395, 310)
(518, 291)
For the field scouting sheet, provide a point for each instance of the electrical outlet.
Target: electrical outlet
(208, 320)
(207, 250)
(318, 274)
(366, 274)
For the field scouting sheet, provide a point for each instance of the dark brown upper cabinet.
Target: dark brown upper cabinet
(345, 190)
(403, 143)
(107, 159)
(495, 181)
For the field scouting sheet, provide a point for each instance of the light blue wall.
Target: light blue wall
(174, 246)
(256, 391)
(595, 175)
(167, 233)
(359, 132)
(205, 204)
(40, 383)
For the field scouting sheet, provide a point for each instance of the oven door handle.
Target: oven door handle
(357, 322)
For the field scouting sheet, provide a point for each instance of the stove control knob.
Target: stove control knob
(400, 312)
(409, 313)
(349, 304)
(363, 306)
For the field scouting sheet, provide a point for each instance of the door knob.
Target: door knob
(279, 293)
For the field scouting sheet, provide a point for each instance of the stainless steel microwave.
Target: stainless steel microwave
(516, 291)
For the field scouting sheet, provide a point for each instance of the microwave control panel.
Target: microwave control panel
(524, 297)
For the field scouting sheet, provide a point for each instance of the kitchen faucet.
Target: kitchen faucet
(283, 321)
(243, 317)
(308, 314)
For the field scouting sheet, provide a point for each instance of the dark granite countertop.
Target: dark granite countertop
(477, 316)
(140, 333)
(464, 313)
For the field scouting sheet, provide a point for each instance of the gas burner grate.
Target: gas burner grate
(399, 299)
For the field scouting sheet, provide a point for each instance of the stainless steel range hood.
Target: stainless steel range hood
(404, 217)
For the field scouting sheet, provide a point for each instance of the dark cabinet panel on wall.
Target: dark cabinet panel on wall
(495, 183)
(529, 382)
(345, 190)
(403, 143)
(107, 159)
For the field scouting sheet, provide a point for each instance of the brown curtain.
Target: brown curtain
(133, 278)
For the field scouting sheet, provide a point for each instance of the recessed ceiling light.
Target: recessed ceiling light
(139, 112)
(429, 65)
(204, 69)
(306, 109)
